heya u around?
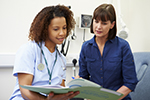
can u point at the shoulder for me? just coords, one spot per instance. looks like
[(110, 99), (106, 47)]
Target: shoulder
[(29, 44), (88, 42), (85, 46), (25, 58), (123, 44), (28, 47), (121, 41), (62, 58), (62, 55)]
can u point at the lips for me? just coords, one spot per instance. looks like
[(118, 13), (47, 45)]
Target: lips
[(99, 32), (60, 39)]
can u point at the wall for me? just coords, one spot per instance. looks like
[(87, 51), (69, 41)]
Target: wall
[(17, 15)]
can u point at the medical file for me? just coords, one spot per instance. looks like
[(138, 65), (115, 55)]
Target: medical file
[(88, 90)]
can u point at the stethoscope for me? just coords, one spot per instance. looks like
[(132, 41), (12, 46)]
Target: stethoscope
[(41, 65), (73, 37)]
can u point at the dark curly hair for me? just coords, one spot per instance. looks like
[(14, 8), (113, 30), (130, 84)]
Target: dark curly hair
[(105, 12), (39, 27)]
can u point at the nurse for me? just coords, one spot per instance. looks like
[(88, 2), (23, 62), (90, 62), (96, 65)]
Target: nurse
[(38, 62)]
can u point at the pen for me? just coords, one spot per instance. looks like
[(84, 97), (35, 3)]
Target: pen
[(73, 78)]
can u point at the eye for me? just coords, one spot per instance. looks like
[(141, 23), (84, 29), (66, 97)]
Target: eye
[(64, 28), (55, 29), (96, 21), (104, 23)]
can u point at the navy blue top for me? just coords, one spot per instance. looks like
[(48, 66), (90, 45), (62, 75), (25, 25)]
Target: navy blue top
[(112, 70)]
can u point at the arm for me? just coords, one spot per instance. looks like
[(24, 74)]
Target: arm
[(83, 72), (124, 90), (128, 72), (26, 79)]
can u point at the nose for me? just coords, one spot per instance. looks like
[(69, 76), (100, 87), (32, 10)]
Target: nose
[(99, 25), (62, 32)]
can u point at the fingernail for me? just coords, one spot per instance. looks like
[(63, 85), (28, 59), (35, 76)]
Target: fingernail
[(51, 94), (78, 92)]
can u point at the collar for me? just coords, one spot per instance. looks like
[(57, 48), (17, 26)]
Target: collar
[(93, 42)]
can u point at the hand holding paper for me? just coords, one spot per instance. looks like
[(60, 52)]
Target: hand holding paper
[(88, 90)]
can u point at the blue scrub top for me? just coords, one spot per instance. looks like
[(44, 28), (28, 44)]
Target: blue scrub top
[(27, 61), (112, 70)]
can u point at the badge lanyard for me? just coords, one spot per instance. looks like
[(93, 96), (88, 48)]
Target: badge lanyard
[(50, 73)]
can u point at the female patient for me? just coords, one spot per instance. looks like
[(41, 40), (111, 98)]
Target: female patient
[(107, 59), (39, 62)]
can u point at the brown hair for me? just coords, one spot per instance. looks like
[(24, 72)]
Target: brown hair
[(39, 27), (105, 12)]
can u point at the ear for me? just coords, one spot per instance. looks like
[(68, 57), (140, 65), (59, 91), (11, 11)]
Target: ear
[(112, 24)]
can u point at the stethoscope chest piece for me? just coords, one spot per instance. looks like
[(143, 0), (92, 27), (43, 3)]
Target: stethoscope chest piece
[(64, 68), (41, 66)]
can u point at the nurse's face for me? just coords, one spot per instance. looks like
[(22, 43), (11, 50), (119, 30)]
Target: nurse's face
[(57, 30), (101, 28)]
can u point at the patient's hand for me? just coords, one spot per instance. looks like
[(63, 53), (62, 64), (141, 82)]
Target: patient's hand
[(77, 77)]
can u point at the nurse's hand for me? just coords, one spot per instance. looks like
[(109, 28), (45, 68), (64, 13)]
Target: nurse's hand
[(65, 96)]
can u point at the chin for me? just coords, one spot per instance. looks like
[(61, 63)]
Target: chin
[(59, 43), (98, 35)]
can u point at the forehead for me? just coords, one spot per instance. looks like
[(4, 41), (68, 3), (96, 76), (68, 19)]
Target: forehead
[(58, 21)]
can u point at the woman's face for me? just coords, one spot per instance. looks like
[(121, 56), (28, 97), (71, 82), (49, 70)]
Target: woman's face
[(57, 30), (101, 28)]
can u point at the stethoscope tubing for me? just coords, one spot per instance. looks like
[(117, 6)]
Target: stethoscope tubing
[(64, 68)]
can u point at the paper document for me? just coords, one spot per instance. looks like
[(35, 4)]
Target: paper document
[(88, 90)]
